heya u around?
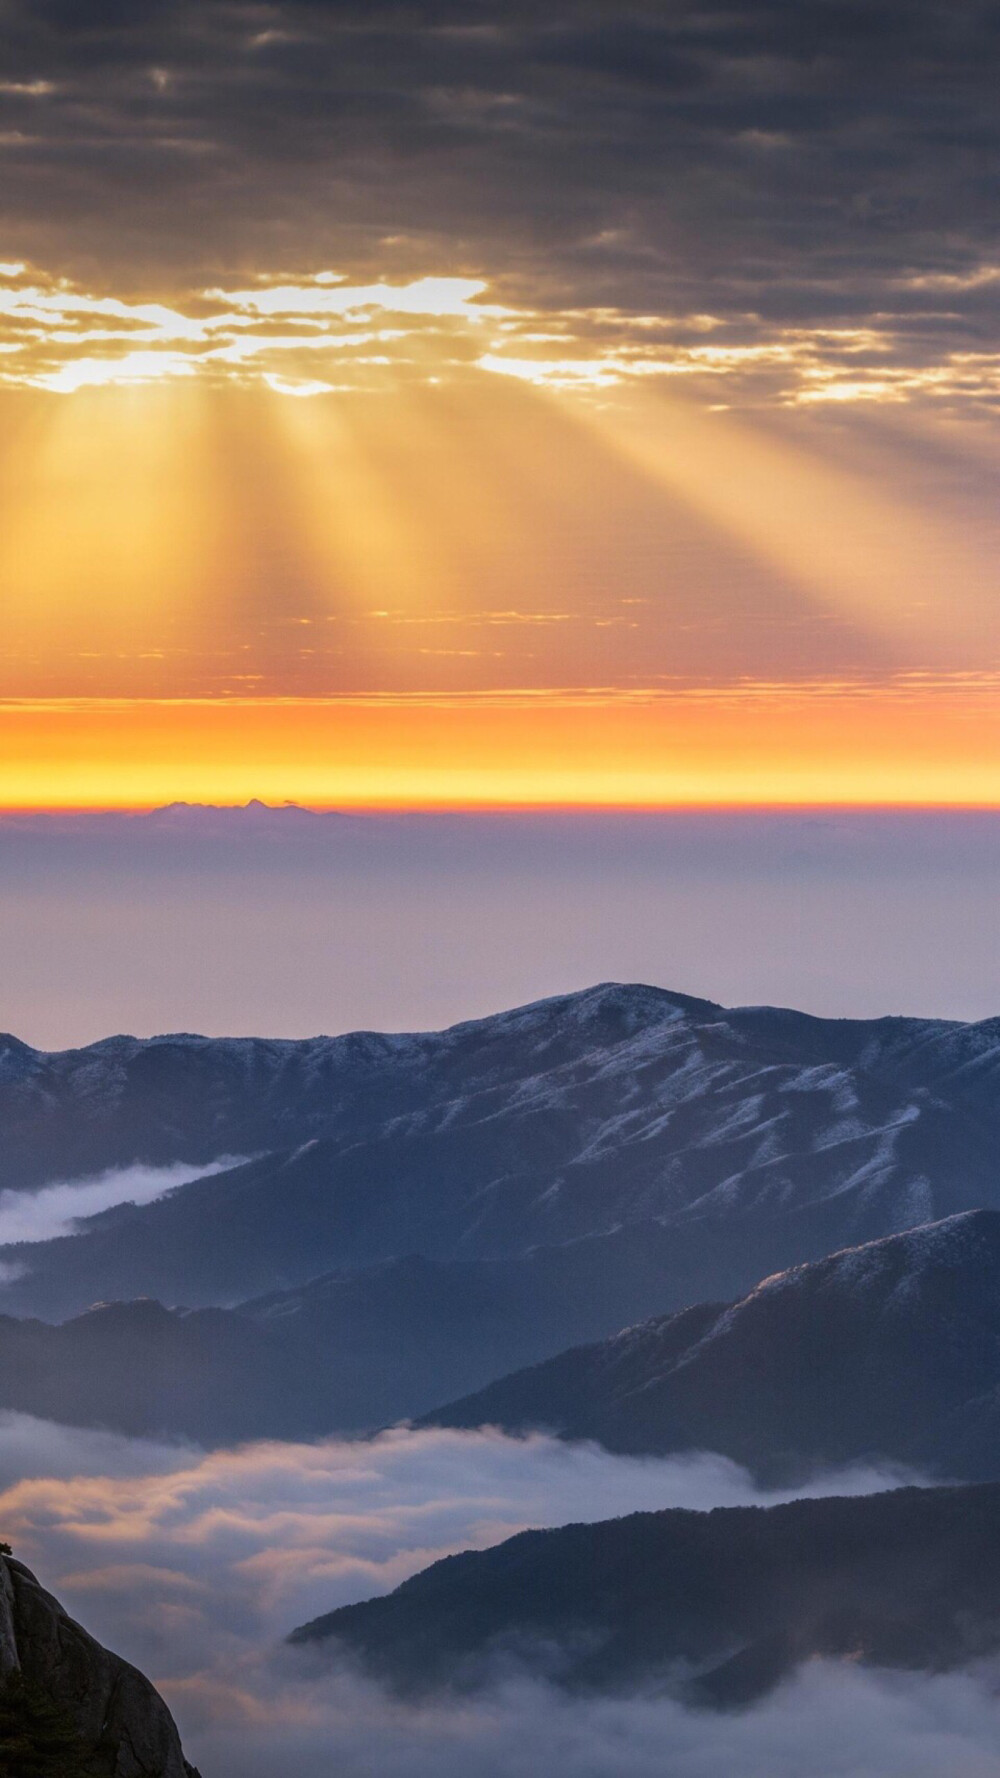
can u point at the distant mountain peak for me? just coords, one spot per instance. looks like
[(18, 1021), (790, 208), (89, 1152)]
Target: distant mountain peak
[(184, 810)]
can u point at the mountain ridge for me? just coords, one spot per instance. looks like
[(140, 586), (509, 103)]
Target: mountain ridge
[(717, 1607), (888, 1352), (745, 1141)]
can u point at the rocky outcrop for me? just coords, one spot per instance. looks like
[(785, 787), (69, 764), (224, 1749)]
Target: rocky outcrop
[(122, 1725)]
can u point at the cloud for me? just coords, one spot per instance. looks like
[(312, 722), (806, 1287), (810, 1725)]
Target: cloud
[(783, 167), (56, 1209), (61, 337), (195, 1565), (37, 1449), (828, 1723), (281, 1532), (320, 333)]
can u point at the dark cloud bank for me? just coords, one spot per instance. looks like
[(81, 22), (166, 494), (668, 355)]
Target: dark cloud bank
[(812, 163)]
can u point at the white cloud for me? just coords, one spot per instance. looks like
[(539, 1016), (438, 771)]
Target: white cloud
[(56, 1209), (828, 1723), (196, 1564), (285, 1531)]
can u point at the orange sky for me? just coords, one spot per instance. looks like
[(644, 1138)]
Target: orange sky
[(445, 584), (913, 745), (589, 405)]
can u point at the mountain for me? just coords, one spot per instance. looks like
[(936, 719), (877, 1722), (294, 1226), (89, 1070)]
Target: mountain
[(68, 1114), (889, 1351), (349, 1351), (71, 1114), (718, 1605), (232, 814), (750, 1139), (69, 1708)]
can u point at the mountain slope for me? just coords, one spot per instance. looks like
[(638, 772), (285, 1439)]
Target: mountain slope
[(106, 1717), (889, 1351), (756, 1138), (719, 1606), (70, 1113), (349, 1351)]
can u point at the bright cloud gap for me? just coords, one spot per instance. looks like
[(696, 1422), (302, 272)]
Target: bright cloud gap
[(321, 334)]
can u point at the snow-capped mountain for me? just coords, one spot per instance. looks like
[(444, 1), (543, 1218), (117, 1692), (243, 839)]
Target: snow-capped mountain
[(889, 1351), (741, 1141)]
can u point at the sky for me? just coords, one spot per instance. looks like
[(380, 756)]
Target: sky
[(481, 404), (284, 923)]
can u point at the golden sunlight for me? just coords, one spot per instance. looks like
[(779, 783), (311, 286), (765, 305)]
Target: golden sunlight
[(914, 744), (616, 592)]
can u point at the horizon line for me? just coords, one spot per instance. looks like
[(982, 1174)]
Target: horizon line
[(459, 806)]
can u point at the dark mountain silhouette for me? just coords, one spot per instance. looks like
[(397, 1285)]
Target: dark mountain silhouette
[(718, 1606), (69, 1708), (887, 1351), (349, 1351), (742, 1142)]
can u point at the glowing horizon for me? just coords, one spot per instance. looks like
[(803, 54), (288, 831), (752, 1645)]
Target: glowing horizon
[(483, 594), (746, 748), (450, 487)]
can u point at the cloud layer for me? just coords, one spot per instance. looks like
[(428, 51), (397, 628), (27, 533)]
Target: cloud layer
[(322, 334), (829, 1723), (196, 1565), (816, 182), (242, 1545)]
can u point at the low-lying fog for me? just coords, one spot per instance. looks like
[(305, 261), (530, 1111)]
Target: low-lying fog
[(195, 1565), (56, 1209)]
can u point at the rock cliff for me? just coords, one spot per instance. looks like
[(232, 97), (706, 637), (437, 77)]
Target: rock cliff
[(69, 1704)]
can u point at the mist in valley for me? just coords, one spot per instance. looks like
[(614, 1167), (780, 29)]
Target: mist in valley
[(195, 1565)]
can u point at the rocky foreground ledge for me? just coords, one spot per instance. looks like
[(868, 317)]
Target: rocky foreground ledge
[(69, 1707)]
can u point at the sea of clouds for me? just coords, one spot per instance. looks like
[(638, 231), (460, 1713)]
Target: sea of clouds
[(829, 1722), (196, 1564)]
